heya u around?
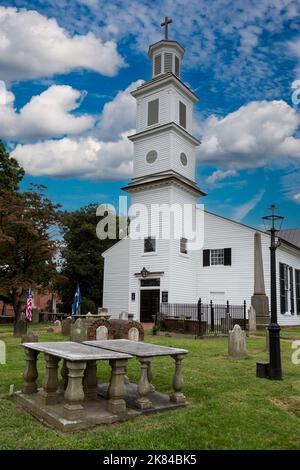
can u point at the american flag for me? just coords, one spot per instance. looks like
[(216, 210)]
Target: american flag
[(28, 311)]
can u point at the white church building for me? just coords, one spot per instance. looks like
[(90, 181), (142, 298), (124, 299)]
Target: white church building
[(234, 261)]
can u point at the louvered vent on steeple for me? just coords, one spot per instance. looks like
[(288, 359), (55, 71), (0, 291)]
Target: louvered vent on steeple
[(168, 62), (157, 64)]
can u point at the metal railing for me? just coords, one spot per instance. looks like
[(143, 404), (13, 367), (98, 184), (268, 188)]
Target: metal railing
[(203, 319)]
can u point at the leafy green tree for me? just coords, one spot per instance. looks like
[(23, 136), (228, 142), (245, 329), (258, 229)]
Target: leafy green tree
[(82, 260), (11, 173), (26, 247)]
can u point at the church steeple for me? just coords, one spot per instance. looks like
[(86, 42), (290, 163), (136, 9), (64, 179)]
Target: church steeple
[(166, 55)]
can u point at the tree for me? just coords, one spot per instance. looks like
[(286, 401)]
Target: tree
[(11, 173), (26, 248), (81, 252)]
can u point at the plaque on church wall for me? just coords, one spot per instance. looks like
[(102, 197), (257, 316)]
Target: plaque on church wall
[(164, 296)]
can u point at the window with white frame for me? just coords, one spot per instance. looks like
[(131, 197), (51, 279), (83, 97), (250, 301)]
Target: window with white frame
[(217, 256), (149, 245)]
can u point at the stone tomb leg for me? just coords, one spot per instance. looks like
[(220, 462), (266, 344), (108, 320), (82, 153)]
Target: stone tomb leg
[(90, 381), (116, 390), (50, 383), (30, 374), (144, 386), (74, 394), (177, 396)]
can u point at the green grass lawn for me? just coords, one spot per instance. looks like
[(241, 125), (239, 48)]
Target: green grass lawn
[(228, 407)]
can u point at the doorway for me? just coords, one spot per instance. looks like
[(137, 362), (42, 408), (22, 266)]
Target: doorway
[(149, 304)]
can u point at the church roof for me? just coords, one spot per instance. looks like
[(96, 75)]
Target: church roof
[(162, 79), (291, 235), (166, 177)]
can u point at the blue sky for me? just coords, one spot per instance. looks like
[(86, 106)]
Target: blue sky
[(69, 66)]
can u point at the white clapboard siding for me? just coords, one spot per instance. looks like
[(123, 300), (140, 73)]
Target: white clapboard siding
[(183, 268), (236, 281), (116, 280), (169, 98), (179, 145), (161, 144)]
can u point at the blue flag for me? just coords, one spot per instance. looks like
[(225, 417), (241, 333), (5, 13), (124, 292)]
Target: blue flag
[(76, 302)]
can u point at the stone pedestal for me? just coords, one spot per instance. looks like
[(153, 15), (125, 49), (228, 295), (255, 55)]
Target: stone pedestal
[(74, 395), (177, 396), (50, 384), (144, 385), (31, 374), (116, 389), (90, 381)]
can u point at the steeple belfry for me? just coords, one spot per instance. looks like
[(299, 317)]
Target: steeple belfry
[(164, 146), (166, 55)]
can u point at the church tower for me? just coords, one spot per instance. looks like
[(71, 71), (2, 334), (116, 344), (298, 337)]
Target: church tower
[(163, 173)]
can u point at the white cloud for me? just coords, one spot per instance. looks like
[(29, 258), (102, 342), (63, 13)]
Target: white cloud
[(119, 114), (219, 175), (243, 210), (33, 46), (296, 198), (45, 115), (255, 135), (83, 157)]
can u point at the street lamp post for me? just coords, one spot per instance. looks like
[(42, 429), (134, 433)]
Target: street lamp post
[(275, 371)]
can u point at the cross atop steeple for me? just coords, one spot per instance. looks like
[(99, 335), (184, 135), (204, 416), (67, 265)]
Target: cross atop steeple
[(166, 24)]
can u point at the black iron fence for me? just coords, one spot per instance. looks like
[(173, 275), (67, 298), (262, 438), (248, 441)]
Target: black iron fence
[(202, 319)]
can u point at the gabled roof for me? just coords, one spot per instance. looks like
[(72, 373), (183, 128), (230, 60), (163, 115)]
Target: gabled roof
[(291, 235)]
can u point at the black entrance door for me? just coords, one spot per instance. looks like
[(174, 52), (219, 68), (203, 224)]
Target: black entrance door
[(149, 304)]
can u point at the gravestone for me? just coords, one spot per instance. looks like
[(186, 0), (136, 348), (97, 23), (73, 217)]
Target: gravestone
[(102, 332), (252, 318), (20, 328), (66, 326), (133, 334), (30, 337), (35, 315), (123, 316), (226, 323), (79, 331), (237, 347), (267, 339)]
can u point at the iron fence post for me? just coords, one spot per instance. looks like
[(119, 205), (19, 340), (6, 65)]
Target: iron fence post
[(245, 321), (200, 333), (212, 317)]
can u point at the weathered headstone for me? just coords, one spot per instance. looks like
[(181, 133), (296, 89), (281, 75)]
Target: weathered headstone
[(66, 326), (79, 331), (102, 332), (267, 339), (35, 315), (133, 334), (30, 337), (227, 323), (20, 328), (252, 318), (123, 316), (237, 347)]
